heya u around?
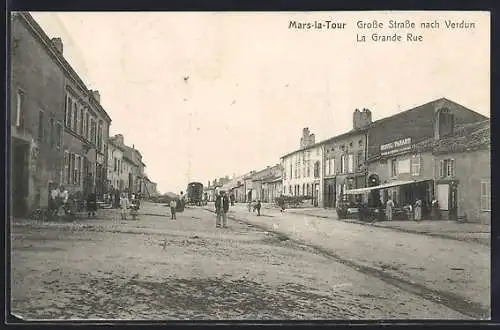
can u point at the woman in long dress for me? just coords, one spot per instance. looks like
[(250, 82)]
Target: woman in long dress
[(388, 209), (124, 205), (418, 210)]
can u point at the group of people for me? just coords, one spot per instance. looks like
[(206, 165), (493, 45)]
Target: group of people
[(414, 211), (128, 203), (254, 206), (61, 204)]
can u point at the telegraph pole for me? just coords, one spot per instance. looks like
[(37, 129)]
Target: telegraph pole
[(186, 100)]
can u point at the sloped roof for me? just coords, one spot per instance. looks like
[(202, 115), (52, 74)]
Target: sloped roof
[(466, 137), (422, 107)]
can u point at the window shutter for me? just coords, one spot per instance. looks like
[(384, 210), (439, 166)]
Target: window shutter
[(441, 168), (66, 166), (452, 166)]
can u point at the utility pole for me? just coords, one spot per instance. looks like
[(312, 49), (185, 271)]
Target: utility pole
[(186, 100)]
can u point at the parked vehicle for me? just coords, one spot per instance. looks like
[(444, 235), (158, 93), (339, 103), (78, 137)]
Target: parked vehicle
[(195, 193)]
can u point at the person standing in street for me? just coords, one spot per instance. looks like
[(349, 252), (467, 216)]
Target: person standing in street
[(418, 210), (388, 209), (173, 208), (54, 200), (221, 208), (91, 205), (124, 205), (257, 207)]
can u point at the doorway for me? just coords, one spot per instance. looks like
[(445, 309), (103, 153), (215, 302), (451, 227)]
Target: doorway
[(330, 193), (20, 177)]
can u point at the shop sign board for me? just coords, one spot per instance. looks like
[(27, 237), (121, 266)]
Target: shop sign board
[(396, 147)]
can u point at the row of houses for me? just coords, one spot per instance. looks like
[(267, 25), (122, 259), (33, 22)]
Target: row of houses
[(59, 129), (126, 168), (437, 150)]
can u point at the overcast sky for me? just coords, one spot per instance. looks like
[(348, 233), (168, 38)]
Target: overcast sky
[(254, 83)]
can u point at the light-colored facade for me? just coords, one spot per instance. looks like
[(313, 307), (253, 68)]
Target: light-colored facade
[(302, 171), (115, 162)]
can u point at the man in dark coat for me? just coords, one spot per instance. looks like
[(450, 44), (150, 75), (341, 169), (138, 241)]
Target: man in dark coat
[(221, 208)]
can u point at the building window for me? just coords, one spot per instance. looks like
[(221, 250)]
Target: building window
[(68, 111), (394, 167), (485, 195), (59, 135), (447, 168), (92, 131), (342, 164), (74, 123), (360, 159), (404, 166), (327, 167), (87, 124), (115, 167), (99, 137), (74, 169), (316, 169), (20, 109), (79, 170), (415, 165), (350, 163), (40, 126), (66, 166), (82, 117), (52, 133)]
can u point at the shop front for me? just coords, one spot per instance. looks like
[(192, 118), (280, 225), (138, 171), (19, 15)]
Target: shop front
[(402, 193)]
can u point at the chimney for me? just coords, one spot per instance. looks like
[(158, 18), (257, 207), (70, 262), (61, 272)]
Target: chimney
[(96, 96), (361, 119), (58, 44), (119, 139)]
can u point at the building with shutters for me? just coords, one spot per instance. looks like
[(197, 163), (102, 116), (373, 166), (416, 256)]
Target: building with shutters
[(302, 173), (37, 114), (344, 159), (59, 128), (413, 155)]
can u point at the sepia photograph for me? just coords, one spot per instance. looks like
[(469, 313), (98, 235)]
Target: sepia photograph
[(321, 165)]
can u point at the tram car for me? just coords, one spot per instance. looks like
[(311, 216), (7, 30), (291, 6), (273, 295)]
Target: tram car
[(195, 193)]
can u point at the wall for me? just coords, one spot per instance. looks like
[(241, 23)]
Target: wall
[(470, 169), (36, 73)]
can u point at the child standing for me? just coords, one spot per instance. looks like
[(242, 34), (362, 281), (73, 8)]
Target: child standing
[(124, 205), (173, 207)]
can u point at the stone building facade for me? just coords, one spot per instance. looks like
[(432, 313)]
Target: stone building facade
[(405, 157), (301, 171), (345, 159), (37, 114)]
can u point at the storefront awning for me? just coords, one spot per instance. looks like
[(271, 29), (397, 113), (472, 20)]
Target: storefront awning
[(382, 186)]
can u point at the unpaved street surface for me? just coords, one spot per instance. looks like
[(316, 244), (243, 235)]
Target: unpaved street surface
[(451, 272), (159, 269)]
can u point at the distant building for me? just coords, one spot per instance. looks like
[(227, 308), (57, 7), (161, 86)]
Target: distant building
[(302, 174), (129, 174), (260, 182)]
